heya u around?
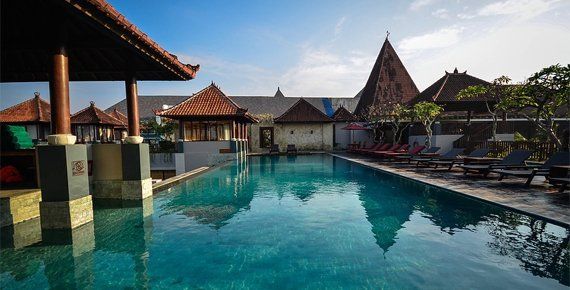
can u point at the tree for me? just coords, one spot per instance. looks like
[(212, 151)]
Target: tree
[(166, 128), (400, 115), (374, 115), (539, 98), (426, 113), (493, 94)]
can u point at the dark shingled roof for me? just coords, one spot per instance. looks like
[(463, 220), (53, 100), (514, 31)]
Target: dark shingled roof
[(34, 110), (275, 105), (343, 115), (94, 116), (447, 87), (148, 104), (303, 112), (388, 81)]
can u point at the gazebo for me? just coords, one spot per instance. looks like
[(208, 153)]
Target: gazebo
[(92, 125), (61, 41), (120, 132), (34, 114), (210, 125)]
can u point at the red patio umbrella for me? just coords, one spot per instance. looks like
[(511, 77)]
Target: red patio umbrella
[(354, 127)]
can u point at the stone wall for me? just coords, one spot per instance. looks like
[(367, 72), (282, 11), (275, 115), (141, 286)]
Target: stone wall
[(305, 136)]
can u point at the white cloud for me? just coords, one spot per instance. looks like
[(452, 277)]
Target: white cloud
[(516, 50), (418, 4), (321, 72), (338, 26), (437, 39), (522, 9), (441, 13)]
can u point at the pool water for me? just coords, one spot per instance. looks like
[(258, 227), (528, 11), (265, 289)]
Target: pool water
[(293, 222)]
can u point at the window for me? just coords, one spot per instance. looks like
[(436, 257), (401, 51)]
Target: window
[(206, 131), (265, 137)]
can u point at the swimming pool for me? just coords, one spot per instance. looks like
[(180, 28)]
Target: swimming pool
[(297, 222)]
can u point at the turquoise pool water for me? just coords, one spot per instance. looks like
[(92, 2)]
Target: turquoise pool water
[(293, 222)]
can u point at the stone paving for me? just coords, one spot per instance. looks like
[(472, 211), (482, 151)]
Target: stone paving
[(540, 199)]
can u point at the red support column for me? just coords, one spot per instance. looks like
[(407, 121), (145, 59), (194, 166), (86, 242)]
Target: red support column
[(132, 110), (59, 99)]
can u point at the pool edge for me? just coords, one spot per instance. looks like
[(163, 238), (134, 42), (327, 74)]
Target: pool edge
[(537, 215)]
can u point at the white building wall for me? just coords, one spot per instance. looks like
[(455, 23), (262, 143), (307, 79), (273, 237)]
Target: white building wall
[(205, 153)]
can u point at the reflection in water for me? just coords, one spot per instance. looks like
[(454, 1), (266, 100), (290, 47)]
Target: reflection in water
[(21, 234), (310, 221), (541, 250), (209, 201), (125, 227)]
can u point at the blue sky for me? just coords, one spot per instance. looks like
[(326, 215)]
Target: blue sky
[(327, 48)]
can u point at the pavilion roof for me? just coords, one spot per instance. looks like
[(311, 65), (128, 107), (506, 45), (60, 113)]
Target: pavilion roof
[(448, 86), (119, 116), (102, 44), (94, 116), (208, 104), (303, 112), (389, 81), (34, 110), (343, 115)]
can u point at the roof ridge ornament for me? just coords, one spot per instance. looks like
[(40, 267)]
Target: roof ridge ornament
[(387, 34), (36, 94)]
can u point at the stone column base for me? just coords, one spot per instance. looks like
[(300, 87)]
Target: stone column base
[(133, 139), (137, 189), (111, 189), (66, 214), (61, 139)]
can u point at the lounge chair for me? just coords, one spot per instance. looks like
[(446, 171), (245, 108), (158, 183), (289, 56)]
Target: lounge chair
[(399, 148), (529, 172), (274, 149), (411, 152), (408, 158), (291, 149), (390, 149), (515, 159), (481, 152), (364, 150), (449, 155), (380, 147)]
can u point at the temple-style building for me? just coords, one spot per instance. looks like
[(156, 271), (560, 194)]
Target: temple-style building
[(211, 127), (93, 125), (389, 82)]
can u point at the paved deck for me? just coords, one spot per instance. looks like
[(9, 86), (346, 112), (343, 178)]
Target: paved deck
[(539, 199)]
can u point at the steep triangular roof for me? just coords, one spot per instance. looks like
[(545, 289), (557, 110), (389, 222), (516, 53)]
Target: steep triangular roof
[(94, 116), (303, 112), (34, 110), (343, 115), (389, 81), (447, 87), (209, 102)]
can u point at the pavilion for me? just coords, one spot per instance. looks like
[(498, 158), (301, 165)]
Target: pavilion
[(34, 114), (61, 41), (211, 127), (92, 125)]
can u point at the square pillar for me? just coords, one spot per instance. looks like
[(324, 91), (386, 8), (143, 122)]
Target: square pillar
[(137, 183), (107, 171), (63, 172)]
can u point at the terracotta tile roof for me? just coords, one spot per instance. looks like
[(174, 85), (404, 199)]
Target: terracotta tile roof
[(303, 112), (130, 33), (94, 116), (388, 81), (121, 117), (210, 102), (447, 87), (34, 110), (343, 115)]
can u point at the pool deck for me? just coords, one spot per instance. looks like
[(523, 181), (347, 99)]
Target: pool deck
[(539, 199)]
